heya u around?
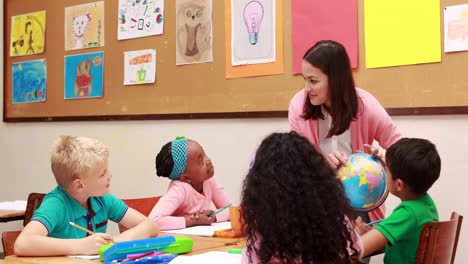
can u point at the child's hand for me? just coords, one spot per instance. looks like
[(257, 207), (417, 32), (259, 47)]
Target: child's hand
[(375, 149), (91, 244), (360, 227), (201, 217)]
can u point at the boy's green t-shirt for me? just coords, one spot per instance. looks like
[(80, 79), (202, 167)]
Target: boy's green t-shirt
[(403, 227), (58, 209)]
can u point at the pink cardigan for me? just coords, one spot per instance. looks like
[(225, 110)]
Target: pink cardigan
[(182, 199), (372, 122)]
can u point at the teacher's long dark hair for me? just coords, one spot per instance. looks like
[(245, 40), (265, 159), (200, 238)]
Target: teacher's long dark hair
[(294, 205), (331, 58)]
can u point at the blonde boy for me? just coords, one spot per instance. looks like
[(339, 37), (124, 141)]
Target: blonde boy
[(80, 166)]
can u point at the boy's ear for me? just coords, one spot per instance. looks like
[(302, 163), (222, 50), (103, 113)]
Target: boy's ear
[(400, 185), (76, 185), (185, 178)]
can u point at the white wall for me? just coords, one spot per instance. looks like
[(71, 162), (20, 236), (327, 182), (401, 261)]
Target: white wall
[(24, 155)]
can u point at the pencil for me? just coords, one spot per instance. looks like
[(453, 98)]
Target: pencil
[(220, 210), (88, 231), (375, 222)]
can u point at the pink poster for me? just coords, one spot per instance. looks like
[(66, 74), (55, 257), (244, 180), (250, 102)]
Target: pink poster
[(314, 20)]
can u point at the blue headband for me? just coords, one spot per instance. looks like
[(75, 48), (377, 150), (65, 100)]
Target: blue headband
[(179, 155)]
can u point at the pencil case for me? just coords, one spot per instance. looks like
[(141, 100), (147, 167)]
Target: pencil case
[(168, 244)]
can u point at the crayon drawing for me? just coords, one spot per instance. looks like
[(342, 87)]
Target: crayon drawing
[(84, 26), (29, 81), (193, 31), (140, 18), (27, 34), (140, 66), (84, 75), (456, 28), (253, 31)]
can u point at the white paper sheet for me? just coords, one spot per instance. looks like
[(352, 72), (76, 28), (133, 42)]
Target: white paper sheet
[(456, 28), (89, 257), (13, 206), (201, 230), (214, 257)]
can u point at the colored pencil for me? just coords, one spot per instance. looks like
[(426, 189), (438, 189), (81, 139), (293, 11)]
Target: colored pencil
[(375, 222), (89, 231), (220, 210)]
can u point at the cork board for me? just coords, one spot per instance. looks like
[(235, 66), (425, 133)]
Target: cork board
[(202, 90)]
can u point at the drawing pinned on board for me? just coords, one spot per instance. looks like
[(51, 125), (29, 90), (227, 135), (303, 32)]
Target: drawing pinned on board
[(456, 28), (84, 26), (253, 31), (27, 34), (84, 75), (140, 66), (194, 31), (140, 18), (29, 81)]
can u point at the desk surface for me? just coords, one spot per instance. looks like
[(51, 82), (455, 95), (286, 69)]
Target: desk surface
[(200, 245), (6, 216)]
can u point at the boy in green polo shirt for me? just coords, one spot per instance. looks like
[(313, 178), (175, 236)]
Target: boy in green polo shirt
[(412, 166), (80, 166)]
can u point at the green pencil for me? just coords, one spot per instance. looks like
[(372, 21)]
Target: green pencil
[(220, 210)]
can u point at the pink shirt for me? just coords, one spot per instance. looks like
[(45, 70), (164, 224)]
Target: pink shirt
[(357, 243), (372, 122), (182, 199)]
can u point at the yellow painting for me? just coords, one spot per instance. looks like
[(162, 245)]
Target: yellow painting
[(84, 26), (27, 34)]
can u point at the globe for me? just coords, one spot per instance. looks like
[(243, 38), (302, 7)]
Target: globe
[(363, 178)]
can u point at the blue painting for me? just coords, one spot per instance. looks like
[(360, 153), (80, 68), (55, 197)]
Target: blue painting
[(29, 81), (84, 75)]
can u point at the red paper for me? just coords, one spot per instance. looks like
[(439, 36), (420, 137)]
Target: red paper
[(315, 20)]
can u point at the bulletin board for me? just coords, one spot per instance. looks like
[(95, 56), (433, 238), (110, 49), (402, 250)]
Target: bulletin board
[(202, 90)]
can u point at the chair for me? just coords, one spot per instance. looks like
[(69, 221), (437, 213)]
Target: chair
[(438, 241), (9, 237), (142, 205)]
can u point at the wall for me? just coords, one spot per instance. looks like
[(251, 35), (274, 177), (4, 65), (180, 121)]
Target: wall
[(24, 156)]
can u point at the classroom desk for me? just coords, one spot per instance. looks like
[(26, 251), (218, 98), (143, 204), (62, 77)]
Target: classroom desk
[(200, 245), (6, 216)]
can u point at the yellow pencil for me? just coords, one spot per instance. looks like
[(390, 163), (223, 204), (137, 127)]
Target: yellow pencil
[(89, 231)]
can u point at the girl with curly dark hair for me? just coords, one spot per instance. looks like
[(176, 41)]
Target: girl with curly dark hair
[(294, 208)]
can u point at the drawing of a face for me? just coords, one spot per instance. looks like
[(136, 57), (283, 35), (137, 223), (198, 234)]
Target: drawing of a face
[(193, 14), (80, 22)]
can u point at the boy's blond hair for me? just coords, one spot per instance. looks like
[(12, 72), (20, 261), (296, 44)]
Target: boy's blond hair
[(73, 156)]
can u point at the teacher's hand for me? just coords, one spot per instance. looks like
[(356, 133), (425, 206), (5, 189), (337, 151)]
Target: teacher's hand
[(336, 159)]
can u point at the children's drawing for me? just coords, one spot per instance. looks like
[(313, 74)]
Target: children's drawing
[(140, 66), (27, 34), (84, 75), (140, 18), (194, 31), (29, 81), (84, 26), (253, 31), (456, 28)]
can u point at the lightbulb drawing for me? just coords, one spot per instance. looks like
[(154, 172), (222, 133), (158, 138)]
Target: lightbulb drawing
[(253, 15)]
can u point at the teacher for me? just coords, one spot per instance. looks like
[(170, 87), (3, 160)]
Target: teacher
[(334, 115)]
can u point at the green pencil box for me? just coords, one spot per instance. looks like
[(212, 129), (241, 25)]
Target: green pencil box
[(181, 245)]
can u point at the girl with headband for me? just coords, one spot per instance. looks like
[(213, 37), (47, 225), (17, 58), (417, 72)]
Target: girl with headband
[(193, 187)]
